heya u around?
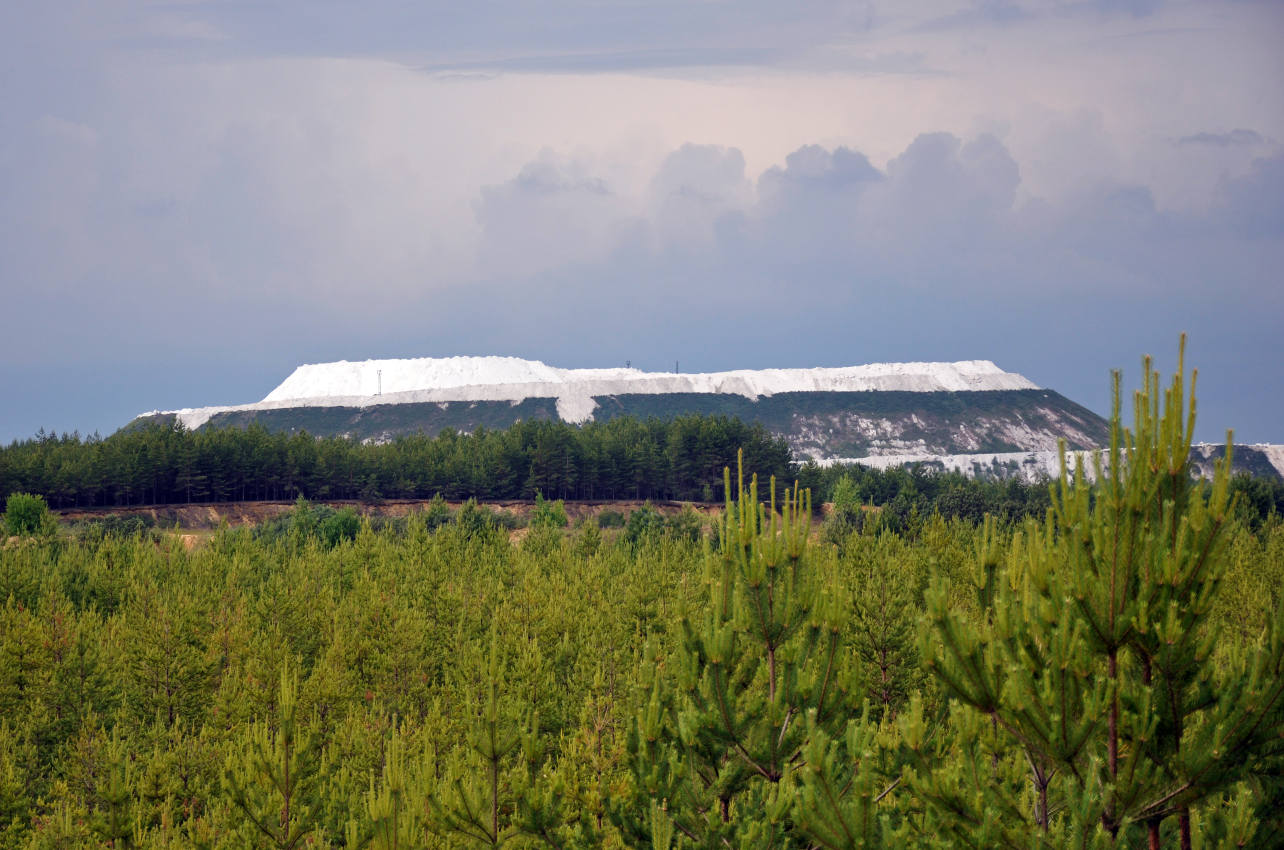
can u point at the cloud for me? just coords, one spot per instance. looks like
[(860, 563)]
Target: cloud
[(942, 182), (1234, 138), (988, 13), (615, 61), (694, 190), (1005, 13), (945, 214), (557, 212), (696, 60), (565, 36), (1253, 205)]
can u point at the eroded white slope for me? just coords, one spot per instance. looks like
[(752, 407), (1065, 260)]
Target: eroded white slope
[(446, 379), (1029, 466), (1037, 465), (1274, 453)]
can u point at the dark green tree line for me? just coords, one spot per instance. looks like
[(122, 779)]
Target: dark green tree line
[(624, 458)]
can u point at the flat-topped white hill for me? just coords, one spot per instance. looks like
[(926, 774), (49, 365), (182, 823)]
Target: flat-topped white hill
[(426, 374), (447, 379)]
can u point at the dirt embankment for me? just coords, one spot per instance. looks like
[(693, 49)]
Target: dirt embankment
[(213, 514)]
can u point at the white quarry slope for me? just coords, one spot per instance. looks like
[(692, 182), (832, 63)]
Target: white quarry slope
[(1028, 466), (448, 379), (1274, 453), (1035, 466)]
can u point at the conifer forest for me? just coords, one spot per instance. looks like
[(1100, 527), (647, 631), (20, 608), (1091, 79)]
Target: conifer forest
[(1101, 668)]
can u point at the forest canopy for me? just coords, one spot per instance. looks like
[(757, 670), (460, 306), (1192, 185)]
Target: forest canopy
[(624, 458)]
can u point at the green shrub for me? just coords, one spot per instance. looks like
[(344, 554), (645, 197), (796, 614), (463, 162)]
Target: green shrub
[(27, 515), (847, 517), (841, 525), (588, 538), (114, 525), (610, 519), (686, 525), (508, 520), (311, 522), (645, 524), (548, 514), (343, 525), (474, 520), (438, 513), (394, 525)]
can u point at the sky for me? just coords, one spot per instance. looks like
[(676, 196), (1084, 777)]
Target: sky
[(196, 197)]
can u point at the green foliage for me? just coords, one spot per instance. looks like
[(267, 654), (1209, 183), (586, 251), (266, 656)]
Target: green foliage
[(687, 525), (16, 757), (112, 525), (469, 799), (1257, 499), (272, 778), (492, 794), (393, 812), (340, 527), (885, 584), (610, 518), (1095, 661), (163, 463), (477, 522), (547, 514), (27, 515), (437, 514), (845, 495), (923, 490), (583, 688), (846, 516), (114, 820), (645, 524), (588, 538), (309, 522), (756, 695)]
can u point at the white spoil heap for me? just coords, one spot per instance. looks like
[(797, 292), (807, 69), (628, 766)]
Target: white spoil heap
[(447, 379)]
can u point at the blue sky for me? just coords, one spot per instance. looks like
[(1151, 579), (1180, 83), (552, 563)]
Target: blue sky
[(199, 196)]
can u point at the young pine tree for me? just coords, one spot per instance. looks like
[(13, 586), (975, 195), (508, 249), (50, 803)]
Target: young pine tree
[(273, 777), (496, 794), (394, 807), (1095, 667), (757, 691)]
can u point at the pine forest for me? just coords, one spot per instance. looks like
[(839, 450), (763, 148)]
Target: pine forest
[(1100, 666)]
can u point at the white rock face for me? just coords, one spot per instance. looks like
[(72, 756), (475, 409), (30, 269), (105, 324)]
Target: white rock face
[(447, 379), (1274, 453), (1028, 466), (1039, 465)]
